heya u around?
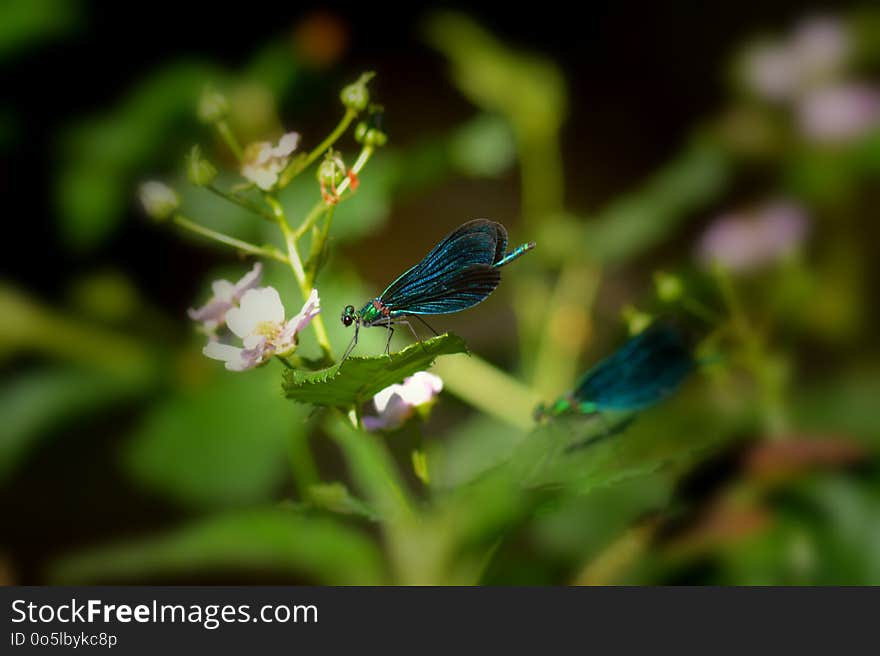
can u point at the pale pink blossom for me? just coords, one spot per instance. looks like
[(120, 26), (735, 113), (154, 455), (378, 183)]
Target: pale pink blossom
[(839, 113), (815, 52), (397, 403), (263, 162), (226, 295), (260, 325), (746, 241)]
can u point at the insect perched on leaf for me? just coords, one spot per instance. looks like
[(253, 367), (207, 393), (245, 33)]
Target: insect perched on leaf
[(460, 271), (646, 369)]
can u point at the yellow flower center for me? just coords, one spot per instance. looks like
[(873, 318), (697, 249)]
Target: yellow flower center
[(268, 329)]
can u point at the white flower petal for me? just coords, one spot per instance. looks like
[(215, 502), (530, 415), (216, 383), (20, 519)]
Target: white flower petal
[(309, 311), (257, 306), (382, 398), (264, 178), (286, 144), (223, 290), (233, 357), (248, 281)]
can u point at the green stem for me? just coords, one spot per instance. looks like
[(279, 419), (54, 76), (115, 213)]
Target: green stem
[(295, 262), (241, 202), (756, 359), (295, 166), (228, 136), (319, 208), (319, 239), (244, 246), (700, 310)]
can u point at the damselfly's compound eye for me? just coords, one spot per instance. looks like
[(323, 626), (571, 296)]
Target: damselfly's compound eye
[(347, 317)]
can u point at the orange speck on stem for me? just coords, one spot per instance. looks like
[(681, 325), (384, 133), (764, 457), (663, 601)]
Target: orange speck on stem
[(353, 180)]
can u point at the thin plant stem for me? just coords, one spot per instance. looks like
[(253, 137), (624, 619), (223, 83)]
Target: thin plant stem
[(295, 262), (230, 139), (756, 357), (238, 244), (295, 166), (241, 202)]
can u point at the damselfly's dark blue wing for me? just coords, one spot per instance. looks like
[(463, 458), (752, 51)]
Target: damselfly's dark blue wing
[(455, 275), (646, 369)]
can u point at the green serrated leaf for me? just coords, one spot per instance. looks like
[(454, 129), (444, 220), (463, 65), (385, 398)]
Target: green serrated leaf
[(356, 380)]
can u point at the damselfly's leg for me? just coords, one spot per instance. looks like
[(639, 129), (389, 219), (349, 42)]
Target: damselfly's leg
[(354, 341), (403, 322), (436, 334), (388, 341)]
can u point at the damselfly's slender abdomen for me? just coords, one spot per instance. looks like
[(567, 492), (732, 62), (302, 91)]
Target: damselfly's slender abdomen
[(519, 251)]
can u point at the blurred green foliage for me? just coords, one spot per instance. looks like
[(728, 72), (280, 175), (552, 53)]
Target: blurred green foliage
[(267, 486)]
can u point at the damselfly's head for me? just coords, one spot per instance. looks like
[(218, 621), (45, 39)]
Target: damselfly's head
[(558, 408), (348, 316)]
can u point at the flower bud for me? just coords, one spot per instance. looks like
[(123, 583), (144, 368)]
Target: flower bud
[(355, 96), (213, 106), (159, 200), (636, 320), (369, 132), (199, 170), (669, 287), (331, 171)]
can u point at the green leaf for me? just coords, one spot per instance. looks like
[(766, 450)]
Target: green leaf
[(279, 540), (336, 498), (102, 157), (24, 25), (217, 444), (356, 380), (668, 436), (35, 403), (373, 471)]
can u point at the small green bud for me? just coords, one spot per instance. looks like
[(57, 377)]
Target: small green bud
[(355, 96), (636, 320), (331, 171), (199, 170), (159, 200), (213, 106), (369, 131), (669, 287)]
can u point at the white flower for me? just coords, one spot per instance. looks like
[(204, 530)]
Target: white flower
[(743, 242), (396, 403), (212, 314), (839, 113), (263, 162), (259, 322)]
